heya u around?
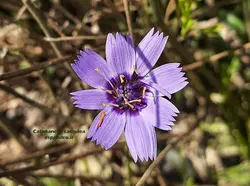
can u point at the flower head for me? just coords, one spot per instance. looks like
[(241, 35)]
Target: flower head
[(129, 93)]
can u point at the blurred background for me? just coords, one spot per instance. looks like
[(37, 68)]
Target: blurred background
[(208, 146)]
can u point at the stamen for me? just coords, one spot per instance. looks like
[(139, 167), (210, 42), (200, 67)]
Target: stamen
[(143, 92), (102, 74), (135, 101), (110, 104), (135, 70), (127, 102), (101, 120), (122, 78), (108, 91)]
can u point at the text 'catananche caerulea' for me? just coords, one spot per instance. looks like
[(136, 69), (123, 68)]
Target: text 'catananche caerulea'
[(129, 93)]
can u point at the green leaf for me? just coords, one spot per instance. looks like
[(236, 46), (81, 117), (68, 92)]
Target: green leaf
[(187, 22), (50, 182), (235, 22), (237, 175)]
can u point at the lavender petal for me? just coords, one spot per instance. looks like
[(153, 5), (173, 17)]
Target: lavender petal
[(86, 67), (158, 90), (120, 54), (92, 99), (168, 76), (108, 133), (149, 51), (140, 137), (164, 115)]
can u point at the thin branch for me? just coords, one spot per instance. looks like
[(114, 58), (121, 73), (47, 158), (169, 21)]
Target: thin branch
[(68, 14), (37, 154), (20, 179), (128, 18), (40, 20), (169, 10), (161, 156), (56, 162), (214, 58), (34, 12), (45, 109), (11, 133), (71, 17), (37, 67), (160, 178), (20, 12), (212, 10), (73, 38), (68, 176), (186, 55), (87, 37), (48, 86)]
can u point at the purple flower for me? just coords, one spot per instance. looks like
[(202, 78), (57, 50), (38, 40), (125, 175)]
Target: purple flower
[(129, 93)]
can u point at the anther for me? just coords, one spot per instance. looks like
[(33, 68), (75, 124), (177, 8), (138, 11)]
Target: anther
[(122, 78), (135, 101), (97, 70), (108, 91), (101, 120), (143, 92), (110, 104)]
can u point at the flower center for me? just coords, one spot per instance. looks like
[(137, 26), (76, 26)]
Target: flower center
[(127, 94)]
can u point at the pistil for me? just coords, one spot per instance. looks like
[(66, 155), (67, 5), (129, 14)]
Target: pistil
[(127, 102)]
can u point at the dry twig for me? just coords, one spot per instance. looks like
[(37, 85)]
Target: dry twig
[(126, 8), (45, 109), (214, 58), (37, 67), (162, 154), (38, 17), (56, 162), (73, 38), (37, 154)]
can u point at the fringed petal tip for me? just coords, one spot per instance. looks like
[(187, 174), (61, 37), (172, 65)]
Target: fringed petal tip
[(85, 67), (91, 99), (85, 51), (120, 53), (149, 50), (165, 113), (98, 143), (136, 158), (169, 78), (140, 138), (73, 93)]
